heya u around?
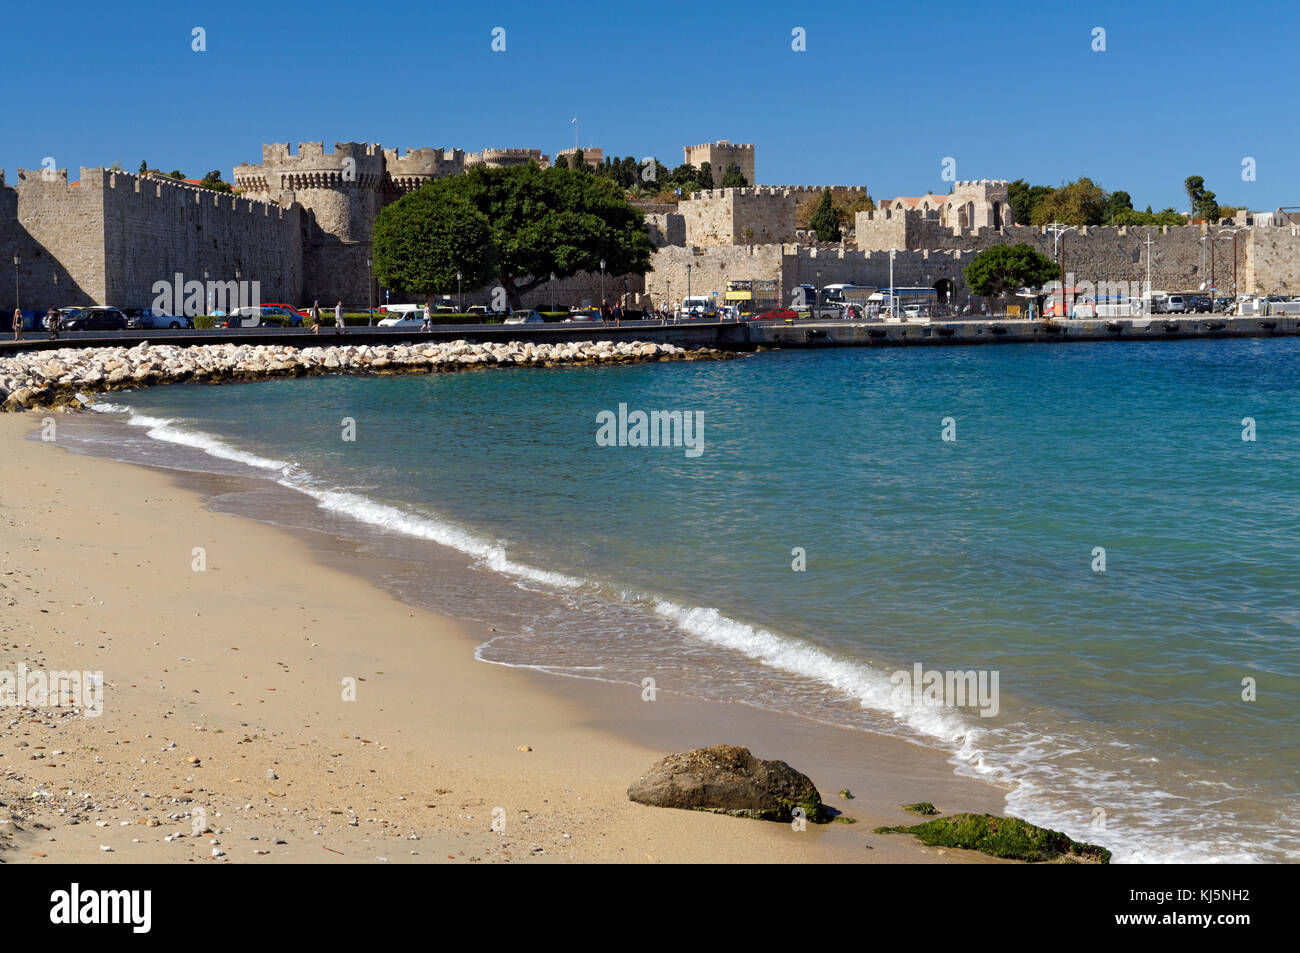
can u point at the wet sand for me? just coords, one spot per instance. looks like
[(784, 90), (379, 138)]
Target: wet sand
[(225, 694)]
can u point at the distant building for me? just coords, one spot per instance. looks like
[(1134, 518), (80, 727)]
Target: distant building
[(505, 158), (591, 155), (721, 154)]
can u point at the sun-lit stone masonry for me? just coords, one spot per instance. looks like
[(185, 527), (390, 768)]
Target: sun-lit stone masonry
[(110, 236), (790, 265), (505, 158), (721, 154), (752, 215)]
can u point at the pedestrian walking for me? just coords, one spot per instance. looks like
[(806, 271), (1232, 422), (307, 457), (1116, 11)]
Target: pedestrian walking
[(18, 325), (338, 318), (428, 318), (52, 322), (618, 315), (315, 317)]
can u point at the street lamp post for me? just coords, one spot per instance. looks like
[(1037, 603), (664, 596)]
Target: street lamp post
[(209, 292), (817, 296), (602, 285), (370, 294), (893, 300), (668, 299), (1147, 301), (1059, 230), (688, 280), (552, 292), (16, 295), (460, 299)]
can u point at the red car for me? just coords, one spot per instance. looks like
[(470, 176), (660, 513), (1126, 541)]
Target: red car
[(777, 314), (288, 307)]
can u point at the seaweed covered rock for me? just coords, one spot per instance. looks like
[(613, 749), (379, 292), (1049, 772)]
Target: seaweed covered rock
[(727, 779), (1002, 837)]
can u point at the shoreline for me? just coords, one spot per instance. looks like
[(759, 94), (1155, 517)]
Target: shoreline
[(456, 724)]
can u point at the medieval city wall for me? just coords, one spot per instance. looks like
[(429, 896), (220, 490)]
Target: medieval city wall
[(154, 228), (60, 230), (755, 215), (1271, 260)]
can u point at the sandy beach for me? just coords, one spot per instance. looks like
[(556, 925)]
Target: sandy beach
[(224, 692)]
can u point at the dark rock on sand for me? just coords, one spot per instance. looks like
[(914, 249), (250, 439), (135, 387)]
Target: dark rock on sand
[(727, 779)]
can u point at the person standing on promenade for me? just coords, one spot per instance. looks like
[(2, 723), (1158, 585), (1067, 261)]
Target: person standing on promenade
[(618, 315), (52, 322), (338, 318), (428, 318), (18, 325), (315, 317)]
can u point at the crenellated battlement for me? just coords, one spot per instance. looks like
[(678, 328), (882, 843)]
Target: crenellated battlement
[(773, 191), (724, 143)]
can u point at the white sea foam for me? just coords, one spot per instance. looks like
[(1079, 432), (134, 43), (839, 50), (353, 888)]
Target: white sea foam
[(385, 516), (872, 688)]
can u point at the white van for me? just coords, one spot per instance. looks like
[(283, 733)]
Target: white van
[(704, 305)]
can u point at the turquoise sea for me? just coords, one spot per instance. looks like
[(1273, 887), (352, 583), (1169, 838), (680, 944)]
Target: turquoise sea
[(828, 536)]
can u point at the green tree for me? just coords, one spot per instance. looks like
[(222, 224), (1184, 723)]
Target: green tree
[(733, 178), (144, 167), (517, 225), (1195, 188), (1119, 202), (1081, 202), (826, 219), (999, 271), (704, 178), (1207, 208), (176, 174), (423, 239), (1024, 198), (561, 162), (213, 182)]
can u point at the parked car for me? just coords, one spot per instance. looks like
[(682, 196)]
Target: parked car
[(94, 319), (250, 318), (1175, 304), (301, 312), (144, 319), (525, 317), (479, 309), (265, 316), (582, 316), (407, 319), (1201, 304), (777, 314)]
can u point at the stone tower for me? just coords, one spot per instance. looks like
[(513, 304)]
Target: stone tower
[(979, 204), (721, 154), (342, 192)]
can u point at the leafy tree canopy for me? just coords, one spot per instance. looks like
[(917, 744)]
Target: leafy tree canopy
[(999, 271), (516, 226), (1081, 202), (733, 178), (1024, 198), (826, 219)]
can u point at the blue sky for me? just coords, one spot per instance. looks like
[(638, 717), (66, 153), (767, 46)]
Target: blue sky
[(883, 93)]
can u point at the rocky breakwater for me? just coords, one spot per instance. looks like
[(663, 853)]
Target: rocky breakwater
[(53, 379)]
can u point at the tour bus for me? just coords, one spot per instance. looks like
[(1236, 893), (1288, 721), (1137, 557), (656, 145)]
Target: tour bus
[(906, 304), (834, 294)]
